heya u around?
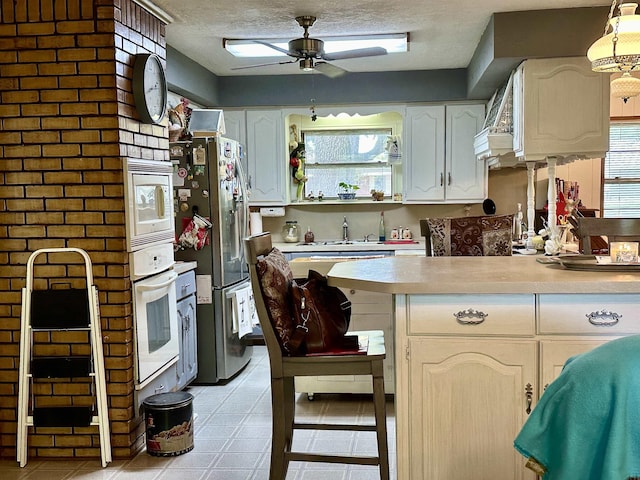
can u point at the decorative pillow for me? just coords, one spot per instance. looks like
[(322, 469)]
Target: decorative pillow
[(471, 236), (466, 237), (275, 276), (496, 235)]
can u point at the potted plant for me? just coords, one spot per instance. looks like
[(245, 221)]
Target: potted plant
[(348, 191)]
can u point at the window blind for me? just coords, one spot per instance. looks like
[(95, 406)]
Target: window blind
[(621, 195)]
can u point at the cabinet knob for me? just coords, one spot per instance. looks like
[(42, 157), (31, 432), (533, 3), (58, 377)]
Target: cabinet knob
[(603, 318), (470, 316), (441, 179), (449, 178)]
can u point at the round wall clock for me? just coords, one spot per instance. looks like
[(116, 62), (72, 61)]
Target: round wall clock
[(149, 88)]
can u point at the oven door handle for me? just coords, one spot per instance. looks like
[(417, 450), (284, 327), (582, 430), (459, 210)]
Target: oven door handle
[(160, 207), (146, 288)]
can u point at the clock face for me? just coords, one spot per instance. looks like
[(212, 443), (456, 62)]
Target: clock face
[(149, 88)]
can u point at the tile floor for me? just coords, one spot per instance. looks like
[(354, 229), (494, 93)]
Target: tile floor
[(232, 439)]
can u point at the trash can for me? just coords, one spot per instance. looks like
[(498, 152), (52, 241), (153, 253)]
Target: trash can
[(169, 423)]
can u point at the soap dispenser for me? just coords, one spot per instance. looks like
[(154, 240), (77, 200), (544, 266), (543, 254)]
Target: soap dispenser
[(309, 237)]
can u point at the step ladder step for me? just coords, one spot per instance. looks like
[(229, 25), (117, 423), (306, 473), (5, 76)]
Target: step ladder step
[(62, 416), (61, 367), (60, 309)]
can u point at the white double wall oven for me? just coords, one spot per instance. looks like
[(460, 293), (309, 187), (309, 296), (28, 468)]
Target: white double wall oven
[(150, 238)]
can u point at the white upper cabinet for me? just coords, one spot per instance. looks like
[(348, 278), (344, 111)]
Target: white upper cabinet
[(266, 158), (560, 109), (236, 125), (440, 164)]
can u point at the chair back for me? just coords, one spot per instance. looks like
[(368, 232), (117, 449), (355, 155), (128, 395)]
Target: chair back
[(488, 235), (257, 246), (615, 229)]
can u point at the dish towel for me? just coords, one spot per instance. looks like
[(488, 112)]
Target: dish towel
[(587, 423), (242, 311)]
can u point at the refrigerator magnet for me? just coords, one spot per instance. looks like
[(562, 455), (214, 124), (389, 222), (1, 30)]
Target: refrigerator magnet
[(199, 155), (184, 194), (205, 193), (195, 185)]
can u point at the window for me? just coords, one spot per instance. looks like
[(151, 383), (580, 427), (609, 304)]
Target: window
[(356, 156), (621, 196)]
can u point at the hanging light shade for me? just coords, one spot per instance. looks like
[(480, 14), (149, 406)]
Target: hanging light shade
[(625, 86), (618, 50)]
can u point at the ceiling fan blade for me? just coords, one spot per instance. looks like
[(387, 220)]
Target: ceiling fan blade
[(329, 70), (361, 52), (275, 47), (264, 64)]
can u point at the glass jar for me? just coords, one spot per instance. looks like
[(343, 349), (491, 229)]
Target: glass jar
[(290, 232)]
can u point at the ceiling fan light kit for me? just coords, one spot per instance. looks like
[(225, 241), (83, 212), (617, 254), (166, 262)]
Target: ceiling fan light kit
[(618, 50), (258, 48), (312, 53)]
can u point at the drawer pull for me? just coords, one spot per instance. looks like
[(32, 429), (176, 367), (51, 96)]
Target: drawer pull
[(603, 318), (529, 394), (470, 316)]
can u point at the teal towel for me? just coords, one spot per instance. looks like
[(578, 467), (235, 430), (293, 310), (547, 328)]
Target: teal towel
[(586, 425)]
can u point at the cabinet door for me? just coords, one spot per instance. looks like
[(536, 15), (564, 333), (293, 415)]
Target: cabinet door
[(466, 177), (187, 366), (236, 129), (554, 354), (267, 163), (467, 401), (423, 169), (561, 108)]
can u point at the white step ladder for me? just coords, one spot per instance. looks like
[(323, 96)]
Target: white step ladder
[(61, 310)]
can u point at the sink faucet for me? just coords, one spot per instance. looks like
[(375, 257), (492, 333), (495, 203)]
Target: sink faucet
[(345, 229)]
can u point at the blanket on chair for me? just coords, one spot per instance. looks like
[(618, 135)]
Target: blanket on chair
[(587, 423)]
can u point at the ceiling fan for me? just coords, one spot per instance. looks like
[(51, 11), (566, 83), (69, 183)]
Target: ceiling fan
[(309, 52)]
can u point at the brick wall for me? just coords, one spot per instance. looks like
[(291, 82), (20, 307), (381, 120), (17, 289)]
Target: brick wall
[(67, 120)]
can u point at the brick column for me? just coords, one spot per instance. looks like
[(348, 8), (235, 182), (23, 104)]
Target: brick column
[(67, 121)]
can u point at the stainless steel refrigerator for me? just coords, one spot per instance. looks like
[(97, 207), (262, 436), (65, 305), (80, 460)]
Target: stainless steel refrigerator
[(210, 195)]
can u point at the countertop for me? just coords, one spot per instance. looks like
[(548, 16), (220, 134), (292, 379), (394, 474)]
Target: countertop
[(354, 247), (181, 267), (515, 274)]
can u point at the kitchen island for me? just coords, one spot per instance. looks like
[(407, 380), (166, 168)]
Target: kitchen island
[(477, 339)]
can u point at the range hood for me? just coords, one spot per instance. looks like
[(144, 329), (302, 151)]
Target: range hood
[(553, 107)]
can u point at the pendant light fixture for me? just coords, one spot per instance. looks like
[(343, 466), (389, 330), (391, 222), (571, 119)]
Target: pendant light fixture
[(618, 50)]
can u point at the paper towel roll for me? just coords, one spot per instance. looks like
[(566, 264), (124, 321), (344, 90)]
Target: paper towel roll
[(255, 223)]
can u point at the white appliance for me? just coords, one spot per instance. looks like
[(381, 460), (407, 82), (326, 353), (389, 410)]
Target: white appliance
[(155, 316), (210, 182), (149, 206)]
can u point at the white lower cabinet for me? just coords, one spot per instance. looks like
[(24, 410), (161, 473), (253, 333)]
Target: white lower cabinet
[(468, 400), (471, 367)]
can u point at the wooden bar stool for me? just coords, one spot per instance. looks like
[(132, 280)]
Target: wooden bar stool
[(270, 293)]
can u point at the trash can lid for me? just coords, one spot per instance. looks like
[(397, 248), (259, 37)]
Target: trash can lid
[(168, 400)]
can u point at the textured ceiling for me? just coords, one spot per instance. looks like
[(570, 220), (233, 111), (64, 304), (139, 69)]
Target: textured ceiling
[(443, 34)]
